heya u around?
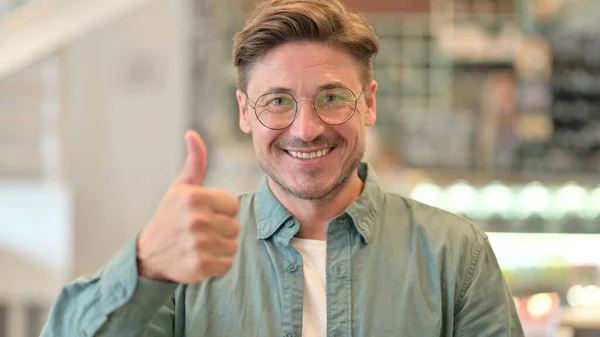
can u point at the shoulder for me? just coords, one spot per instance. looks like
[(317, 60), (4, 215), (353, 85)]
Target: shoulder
[(455, 242), (439, 227)]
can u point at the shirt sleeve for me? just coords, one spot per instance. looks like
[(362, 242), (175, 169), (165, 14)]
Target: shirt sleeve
[(116, 301), (485, 306)]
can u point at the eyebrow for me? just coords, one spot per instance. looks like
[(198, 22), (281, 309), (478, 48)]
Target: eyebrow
[(330, 85)]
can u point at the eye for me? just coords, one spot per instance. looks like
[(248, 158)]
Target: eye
[(279, 100), (332, 98), (275, 103)]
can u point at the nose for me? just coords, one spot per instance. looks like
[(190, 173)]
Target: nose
[(307, 125)]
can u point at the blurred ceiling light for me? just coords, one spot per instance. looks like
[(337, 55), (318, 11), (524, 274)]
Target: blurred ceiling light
[(496, 198), (591, 295), (574, 296), (540, 305), (461, 197), (534, 198), (569, 198), (583, 296), (427, 192), (592, 206)]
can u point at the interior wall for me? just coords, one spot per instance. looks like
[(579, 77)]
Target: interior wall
[(124, 100)]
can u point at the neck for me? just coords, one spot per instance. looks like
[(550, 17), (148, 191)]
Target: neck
[(314, 215)]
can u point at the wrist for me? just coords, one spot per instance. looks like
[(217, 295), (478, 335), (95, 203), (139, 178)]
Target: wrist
[(143, 257)]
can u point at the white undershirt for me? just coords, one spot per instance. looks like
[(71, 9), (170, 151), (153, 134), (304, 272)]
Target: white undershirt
[(314, 309)]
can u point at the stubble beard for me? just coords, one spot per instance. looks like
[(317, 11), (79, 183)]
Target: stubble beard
[(324, 195)]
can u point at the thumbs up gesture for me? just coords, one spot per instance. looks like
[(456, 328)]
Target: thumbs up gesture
[(193, 234)]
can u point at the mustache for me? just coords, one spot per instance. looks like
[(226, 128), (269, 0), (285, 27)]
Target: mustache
[(320, 141)]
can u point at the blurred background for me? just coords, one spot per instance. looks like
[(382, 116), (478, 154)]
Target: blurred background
[(486, 108)]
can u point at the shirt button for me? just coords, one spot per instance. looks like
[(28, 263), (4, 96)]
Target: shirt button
[(338, 270), (291, 267), (289, 334), (290, 224)]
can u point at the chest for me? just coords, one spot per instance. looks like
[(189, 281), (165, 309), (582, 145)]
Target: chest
[(378, 290)]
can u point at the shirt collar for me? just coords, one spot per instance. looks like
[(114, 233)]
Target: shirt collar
[(363, 211), (271, 214)]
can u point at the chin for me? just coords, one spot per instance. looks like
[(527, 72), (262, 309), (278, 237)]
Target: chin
[(311, 189), (309, 194), (310, 183)]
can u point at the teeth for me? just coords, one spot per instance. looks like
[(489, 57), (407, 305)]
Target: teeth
[(309, 155)]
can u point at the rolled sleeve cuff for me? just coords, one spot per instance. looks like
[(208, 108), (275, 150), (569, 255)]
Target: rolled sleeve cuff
[(125, 293)]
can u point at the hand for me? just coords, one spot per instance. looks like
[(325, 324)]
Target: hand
[(193, 234)]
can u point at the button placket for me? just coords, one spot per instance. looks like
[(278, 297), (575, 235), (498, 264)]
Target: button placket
[(290, 263), (339, 308)]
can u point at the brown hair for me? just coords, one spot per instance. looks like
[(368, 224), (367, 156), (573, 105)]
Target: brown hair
[(277, 22)]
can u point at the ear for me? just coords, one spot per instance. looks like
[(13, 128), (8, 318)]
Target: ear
[(370, 99), (243, 107)]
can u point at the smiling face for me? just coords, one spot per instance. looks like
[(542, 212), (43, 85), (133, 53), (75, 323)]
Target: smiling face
[(309, 159)]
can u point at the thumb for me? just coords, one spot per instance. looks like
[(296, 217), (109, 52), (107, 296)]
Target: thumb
[(196, 162)]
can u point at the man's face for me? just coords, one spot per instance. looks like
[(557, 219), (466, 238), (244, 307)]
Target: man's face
[(303, 69)]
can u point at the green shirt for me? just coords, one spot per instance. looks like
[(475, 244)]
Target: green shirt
[(395, 267)]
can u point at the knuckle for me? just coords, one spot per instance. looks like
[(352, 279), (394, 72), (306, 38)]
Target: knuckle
[(193, 197), (200, 243), (232, 202), (196, 221), (212, 193), (190, 222), (203, 264)]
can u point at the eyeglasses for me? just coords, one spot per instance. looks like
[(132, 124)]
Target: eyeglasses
[(278, 110)]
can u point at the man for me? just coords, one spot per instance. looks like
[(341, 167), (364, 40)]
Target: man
[(319, 249)]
